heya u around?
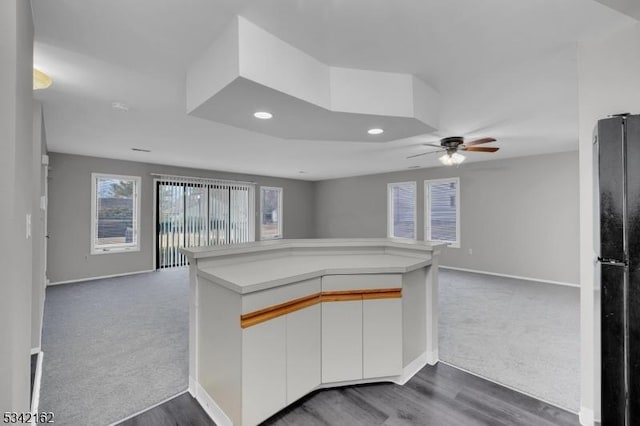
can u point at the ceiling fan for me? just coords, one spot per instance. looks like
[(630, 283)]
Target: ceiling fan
[(453, 144)]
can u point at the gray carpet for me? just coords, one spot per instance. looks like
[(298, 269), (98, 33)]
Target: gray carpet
[(114, 346), (525, 335)]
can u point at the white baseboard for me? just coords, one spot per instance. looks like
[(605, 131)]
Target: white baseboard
[(44, 296), (433, 357), (192, 387), (586, 417), (35, 397), (209, 405), (221, 419), (99, 278), (391, 379), (408, 372), (412, 369), (495, 274)]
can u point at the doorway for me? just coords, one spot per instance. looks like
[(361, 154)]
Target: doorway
[(194, 214)]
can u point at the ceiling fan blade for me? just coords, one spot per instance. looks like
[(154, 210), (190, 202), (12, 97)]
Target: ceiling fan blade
[(424, 153), (481, 148), (417, 155), (432, 144), (479, 141)]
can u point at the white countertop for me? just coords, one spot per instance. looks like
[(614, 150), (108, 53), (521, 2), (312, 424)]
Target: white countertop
[(247, 277), (261, 246), (267, 264)]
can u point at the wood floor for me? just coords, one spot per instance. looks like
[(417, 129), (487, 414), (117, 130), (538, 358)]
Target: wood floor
[(181, 410), (437, 396)]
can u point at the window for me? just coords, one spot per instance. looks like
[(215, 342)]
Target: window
[(401, 216), (115, 218), (442, 211), (270, 213)]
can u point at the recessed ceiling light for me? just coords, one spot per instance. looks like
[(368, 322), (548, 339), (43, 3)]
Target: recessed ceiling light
[(120, 106), (40, 80), (263, 115), (140, 150), (375, 131)]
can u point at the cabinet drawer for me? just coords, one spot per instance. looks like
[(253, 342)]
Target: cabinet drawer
[(360, 282), (275, 296)]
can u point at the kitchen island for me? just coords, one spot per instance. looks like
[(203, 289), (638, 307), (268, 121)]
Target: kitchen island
[(271, 321)]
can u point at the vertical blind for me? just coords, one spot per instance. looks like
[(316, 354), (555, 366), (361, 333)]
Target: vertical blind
[(443, 211), (403, 209), (193, 212)]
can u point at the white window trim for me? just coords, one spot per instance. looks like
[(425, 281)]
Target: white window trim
[(390, 186), (114, 248), (252, 213), (280, 213), (427, 210)]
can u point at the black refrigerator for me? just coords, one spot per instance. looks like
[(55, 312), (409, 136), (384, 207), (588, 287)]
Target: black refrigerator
[(617, 201)]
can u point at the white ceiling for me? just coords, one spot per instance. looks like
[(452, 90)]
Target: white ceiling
[(297, 119), (503, 68)]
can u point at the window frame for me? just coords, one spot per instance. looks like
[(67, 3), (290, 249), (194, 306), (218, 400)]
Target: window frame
[(97, 249), (427, 210), (390, 217), (280, 234)]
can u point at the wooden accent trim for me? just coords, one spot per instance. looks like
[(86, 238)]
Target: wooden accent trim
[(339, 296), (280, 306), (271, 312), (375, 291), (361, 291), (362, 294), (394, 294)]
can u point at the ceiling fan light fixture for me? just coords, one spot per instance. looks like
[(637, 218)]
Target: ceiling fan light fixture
[(452, 159), (40, 80)]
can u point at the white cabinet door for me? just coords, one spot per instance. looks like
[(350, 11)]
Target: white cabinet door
[(303, 352), (341, 341), (382, 337), (264, 387)]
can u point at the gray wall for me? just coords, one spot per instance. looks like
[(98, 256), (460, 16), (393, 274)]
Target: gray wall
[(16, 118), (68, 255), (519, 216)]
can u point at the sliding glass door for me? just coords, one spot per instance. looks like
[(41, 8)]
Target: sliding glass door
[(193, 214), (170, 225)]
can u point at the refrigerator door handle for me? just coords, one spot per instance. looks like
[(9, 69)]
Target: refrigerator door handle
[(613, 262)]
